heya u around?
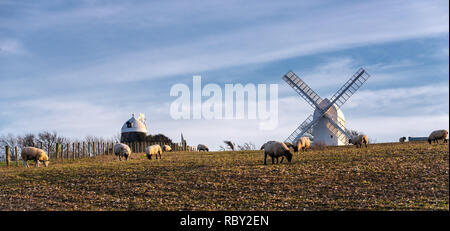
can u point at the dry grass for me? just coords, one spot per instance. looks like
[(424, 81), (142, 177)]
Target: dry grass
[(408, 176)]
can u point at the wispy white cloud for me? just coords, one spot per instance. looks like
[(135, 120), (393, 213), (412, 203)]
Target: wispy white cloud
[(11, 47), (344, 27)]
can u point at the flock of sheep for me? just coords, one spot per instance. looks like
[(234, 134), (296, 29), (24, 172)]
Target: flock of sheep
[(274, 149)]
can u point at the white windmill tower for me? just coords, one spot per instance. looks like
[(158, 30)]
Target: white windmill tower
[(327, 124)]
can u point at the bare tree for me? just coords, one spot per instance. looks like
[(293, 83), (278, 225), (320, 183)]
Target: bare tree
[(229, 144), (247, 146), (11, 141)]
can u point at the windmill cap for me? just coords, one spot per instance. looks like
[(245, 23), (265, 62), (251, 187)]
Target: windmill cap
[(134, 125)]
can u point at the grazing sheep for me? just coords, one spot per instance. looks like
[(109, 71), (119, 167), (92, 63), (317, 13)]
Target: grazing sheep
[(275, 150), (153, 150), (202, 147), (358, 140), (36, 154), (437, 135), (290, 145), (303, 144), (122, 150), (166, 148), (402, 139)]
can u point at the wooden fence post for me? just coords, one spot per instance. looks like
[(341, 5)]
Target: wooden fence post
[(73, 151), (57, 151), (8, 158), (62, 151), (17, 156), (49, 150), (89, 149), (67, 151), (84, 149), (78, 151)]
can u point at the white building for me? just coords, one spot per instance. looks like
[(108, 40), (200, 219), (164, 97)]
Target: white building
[(321, 131)]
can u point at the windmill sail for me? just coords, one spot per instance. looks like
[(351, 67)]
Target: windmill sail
[(302, 89), (338, 129), (305, 127), (350, 87)]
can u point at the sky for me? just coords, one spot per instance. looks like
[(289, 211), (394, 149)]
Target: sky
[(83, 67)]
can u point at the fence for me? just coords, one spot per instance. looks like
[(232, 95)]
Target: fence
[(72, 151)]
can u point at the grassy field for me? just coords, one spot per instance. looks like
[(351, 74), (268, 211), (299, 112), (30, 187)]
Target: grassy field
[(408, 176)]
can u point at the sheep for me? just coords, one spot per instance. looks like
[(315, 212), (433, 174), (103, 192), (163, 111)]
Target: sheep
[(122, 150), (36, 154), (166, 148), (202, 147), (275, 150), (264, 145), (402, 139), (358, 140), (437, 135), (153, 150), (290, 145), (303, 144)]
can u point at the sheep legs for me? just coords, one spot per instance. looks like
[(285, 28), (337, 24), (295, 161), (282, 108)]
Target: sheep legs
[(25, 163), (265, 157)]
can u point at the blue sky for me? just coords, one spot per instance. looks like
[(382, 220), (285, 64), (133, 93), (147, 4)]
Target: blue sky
[(82, 67)]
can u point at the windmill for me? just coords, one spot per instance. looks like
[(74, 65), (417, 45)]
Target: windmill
[(327, 123)]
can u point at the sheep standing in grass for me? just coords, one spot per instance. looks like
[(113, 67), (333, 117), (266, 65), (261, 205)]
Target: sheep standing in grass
[(122, 150), (303, 144), (153, 150), (437, 135), (358, 140), (166, 148), (402, 139), (275, 150), (202, 147), (36, 154)]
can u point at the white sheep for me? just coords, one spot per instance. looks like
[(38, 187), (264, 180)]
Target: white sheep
[(122, 150), (202, 147), (358, 140), (166, 148), (402, 139), (36, 154), (153, 150), (437, 135), (303, 144), (275, 150)]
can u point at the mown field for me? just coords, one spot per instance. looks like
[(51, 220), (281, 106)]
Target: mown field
[(409, 176)]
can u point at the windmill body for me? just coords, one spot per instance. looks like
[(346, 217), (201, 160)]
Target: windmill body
[(321, 131), (327, 123)]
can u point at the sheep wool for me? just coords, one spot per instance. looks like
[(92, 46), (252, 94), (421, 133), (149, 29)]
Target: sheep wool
[(276, 150), (437, 135), (359, 140), (167, 148), (303, 144), (153, 150), (122, 150), (202, 147), (36, 154)]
